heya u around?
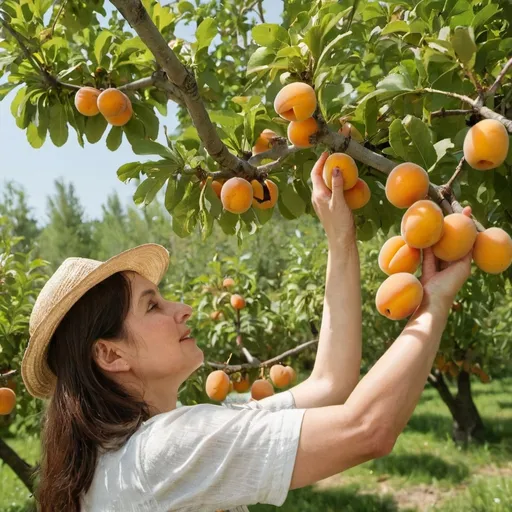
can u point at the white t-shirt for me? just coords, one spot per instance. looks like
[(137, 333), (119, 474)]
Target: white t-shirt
[(202, 458)]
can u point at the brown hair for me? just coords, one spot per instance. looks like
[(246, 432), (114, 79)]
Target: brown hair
[(88, 410)]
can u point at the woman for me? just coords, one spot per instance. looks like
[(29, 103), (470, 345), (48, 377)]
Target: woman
[(110, 355)]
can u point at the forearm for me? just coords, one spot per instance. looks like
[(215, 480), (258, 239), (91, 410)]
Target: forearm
[(390, 391), (338, 358)]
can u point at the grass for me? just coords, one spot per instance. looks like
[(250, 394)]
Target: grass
[(425, 472)]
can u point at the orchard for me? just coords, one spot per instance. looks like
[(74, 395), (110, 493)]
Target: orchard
[(413, 102)]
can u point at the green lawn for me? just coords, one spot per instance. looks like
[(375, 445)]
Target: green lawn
[(425, 472)]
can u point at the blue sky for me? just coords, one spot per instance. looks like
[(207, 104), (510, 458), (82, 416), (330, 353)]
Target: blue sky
[(91, 169)]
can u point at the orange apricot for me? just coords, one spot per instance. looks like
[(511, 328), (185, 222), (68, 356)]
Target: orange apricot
[(228, 282), (113, 102), (486, 145), (396, 256), (259, 201), (357, 196), (293, 374), (300, 131), (422, 225), (217, 385), (459, 235), (237, 301), (86, 101), (217, 187), (399, 296), (348, 130), (406, 184), (236, 195), (295, 102), (215, 315), (261, 388), (264, 141), (347, 167), (230, 387), (279, 376), (7, 401), (242, 385), (492, 251)]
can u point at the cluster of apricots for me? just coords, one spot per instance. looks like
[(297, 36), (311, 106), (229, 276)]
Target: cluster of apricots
[(423, 225), (113, 104), (219, 385), (7, 399)]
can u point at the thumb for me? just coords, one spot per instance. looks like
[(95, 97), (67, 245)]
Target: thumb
[(337, 179)]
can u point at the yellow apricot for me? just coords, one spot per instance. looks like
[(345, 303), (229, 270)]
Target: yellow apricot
[(121, 119), (280, 376), (459, 234), (492, 251), (357, 196), (295, 102), (399, 296), (86, 101), (113, 102), (236, 195), (293, 374), (396, 256), (406, 184), (422, 224), (7, 401), (228, 282), (347, 167), (242, 385), (217, 385), (264, 141), (300, 131), (237, 301), (486, 145), (348, 130), (259, 200), (261, 388)]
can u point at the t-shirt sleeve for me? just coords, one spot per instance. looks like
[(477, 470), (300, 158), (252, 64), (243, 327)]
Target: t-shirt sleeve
[(207, 457)]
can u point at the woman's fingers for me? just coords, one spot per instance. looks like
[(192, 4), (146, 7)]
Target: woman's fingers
[(319, 186), (467, 211)]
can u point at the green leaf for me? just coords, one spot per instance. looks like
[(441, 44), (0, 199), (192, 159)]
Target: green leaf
[(150, 147), (313, 39), (330, 47), (260, 60), (463, 42), (485, 14), (371, 112), (95, 127), (270, 35), (185, 6), (114, 138), (395, 26), (396, 82), (174, 193), (420, 141), (205, 32), (147, 191), (134, 130), (102, 44), (33, 136), (129, 171), (58, 125), (5, 89), (292, 201), (17, 101), (227, 119), (227, 222), (148, 118), (398, 139)]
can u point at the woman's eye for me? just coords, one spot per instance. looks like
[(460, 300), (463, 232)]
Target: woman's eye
[(152, 305)]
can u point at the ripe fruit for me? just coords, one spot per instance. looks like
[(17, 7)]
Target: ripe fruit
[(422, 225), (396, 256), (236, 195), (406, 184), (399, 296), (122, 118), (492, 251), (86, 101), (347, 167), (228, 282), (263, 142), (113, 102), (295, 102), (293, 374), (237, 301), (486, 145), (217, 187), (230, 387), (351, 131), (215, 315), (258, 200), (279, 376), (261, 388), (242, 385), (357, 196), (459, 234), (300, 131), (217, 385), (7, 401)]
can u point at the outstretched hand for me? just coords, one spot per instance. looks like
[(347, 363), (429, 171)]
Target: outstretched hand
[(441, 280)]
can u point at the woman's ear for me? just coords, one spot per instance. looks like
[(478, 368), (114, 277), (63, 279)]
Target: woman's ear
[(108, 357)]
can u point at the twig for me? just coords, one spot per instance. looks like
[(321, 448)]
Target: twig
[(260, 11), (455, 112), (458, 170), (62, 5), (494, 87), (279, 148)]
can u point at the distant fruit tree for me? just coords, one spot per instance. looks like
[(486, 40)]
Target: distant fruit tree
[(413, 101)]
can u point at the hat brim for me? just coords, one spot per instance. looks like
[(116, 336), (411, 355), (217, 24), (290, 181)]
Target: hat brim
[(149, 260)]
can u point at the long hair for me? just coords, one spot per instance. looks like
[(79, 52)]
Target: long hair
[(88, 410)]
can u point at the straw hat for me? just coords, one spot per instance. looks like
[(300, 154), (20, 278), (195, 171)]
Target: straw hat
[(66, 286)]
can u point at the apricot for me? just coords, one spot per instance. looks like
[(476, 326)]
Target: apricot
[(228, 282), (215, 315), (396, 256), (121, 119), (279, 376), (295, 102), (486, 145), (459, 234), (399, 296), (406, 184), (293, 374), (357, 196), (230, 387), (217, 385), (243, 385), (237, 301), (300, 131), (492, 251), (264, 141), (348, 130), (236, 195), (258, 191), (422, 225), (217, 187), (347, 167), (261, 388), (86, 101), (7, 401)]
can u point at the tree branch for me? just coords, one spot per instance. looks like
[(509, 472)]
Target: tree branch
[(494, 87), (458, 170), (455, 112)]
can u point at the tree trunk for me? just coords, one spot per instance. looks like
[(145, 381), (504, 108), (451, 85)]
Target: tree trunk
[(23, 470), (467, 423)]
